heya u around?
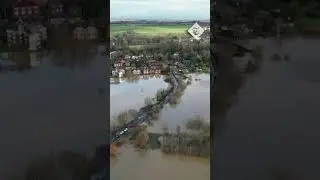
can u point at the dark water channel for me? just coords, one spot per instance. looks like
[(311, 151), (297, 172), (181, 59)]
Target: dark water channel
[(51, 104), (271, 129)]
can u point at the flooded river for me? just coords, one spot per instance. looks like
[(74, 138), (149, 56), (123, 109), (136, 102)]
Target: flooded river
[(152, 164), (51, 104), (273, 128)]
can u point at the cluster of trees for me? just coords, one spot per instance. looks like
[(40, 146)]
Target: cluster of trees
[(193, 54)]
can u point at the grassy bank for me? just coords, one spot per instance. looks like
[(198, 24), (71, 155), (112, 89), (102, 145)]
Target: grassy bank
[(149, 29)]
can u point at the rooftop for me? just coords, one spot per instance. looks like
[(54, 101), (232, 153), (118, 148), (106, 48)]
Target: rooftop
[(23, 3)]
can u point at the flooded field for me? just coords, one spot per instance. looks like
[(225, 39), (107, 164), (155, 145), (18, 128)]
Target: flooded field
[(195, 100), (131, 95), (50, 104), (146, 164), (272, 129)]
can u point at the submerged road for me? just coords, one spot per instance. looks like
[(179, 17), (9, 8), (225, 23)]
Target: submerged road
[(143, 112)]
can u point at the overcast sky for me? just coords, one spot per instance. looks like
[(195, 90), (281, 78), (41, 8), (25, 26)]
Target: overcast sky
[(159, 9)]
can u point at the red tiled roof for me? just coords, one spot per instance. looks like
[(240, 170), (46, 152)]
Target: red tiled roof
[(24, 3)]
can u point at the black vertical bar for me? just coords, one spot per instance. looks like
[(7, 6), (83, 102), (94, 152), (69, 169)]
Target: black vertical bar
[(101, 160), (213, 75), (107, 79)]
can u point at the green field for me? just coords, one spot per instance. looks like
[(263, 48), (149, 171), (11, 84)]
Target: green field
[(150, 29)]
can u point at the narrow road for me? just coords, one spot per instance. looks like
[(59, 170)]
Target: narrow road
[(143, 113)]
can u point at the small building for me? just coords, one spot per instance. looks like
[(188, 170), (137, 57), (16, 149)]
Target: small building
[(119, 63), (127, 57), (136, 71), (85, 33), (114, 72), (145, 71), (79, 33), (55, 8), (91, 33), (17, 34), (25, 9)]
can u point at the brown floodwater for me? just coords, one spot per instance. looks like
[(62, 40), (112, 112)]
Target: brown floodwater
[(195, 100), (274, 124), (51, 104), (153, 164)]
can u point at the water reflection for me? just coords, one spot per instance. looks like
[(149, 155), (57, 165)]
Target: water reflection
[(232, 73), (48, 109), (77, 55), (273, 124), (134, 79), (80, 55), (139, 163), (65, 166), (20, 61)]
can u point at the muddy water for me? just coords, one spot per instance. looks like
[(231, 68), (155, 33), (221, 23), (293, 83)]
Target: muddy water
[(129, 95), (51, 105), (195, 100), (152, 164), (146, 165), (274, 126)]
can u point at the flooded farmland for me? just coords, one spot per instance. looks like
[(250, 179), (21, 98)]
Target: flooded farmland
[(152, 163), (271, 129), (50, 104)]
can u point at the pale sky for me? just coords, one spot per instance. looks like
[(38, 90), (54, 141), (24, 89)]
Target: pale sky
[(159, 9)]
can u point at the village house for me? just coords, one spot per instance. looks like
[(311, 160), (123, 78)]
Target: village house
[(85, 33), (91, 33), (154, 70), (114, 72), (118, 72), (79, 33), (25, 9), (17, 34), (31, 35), (136, 71), (145, 70), (127, 57), (119, 62)]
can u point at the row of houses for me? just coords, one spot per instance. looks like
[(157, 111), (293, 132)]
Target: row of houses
[(135, 65), (55, 12), (119, 72), (32, 35)]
